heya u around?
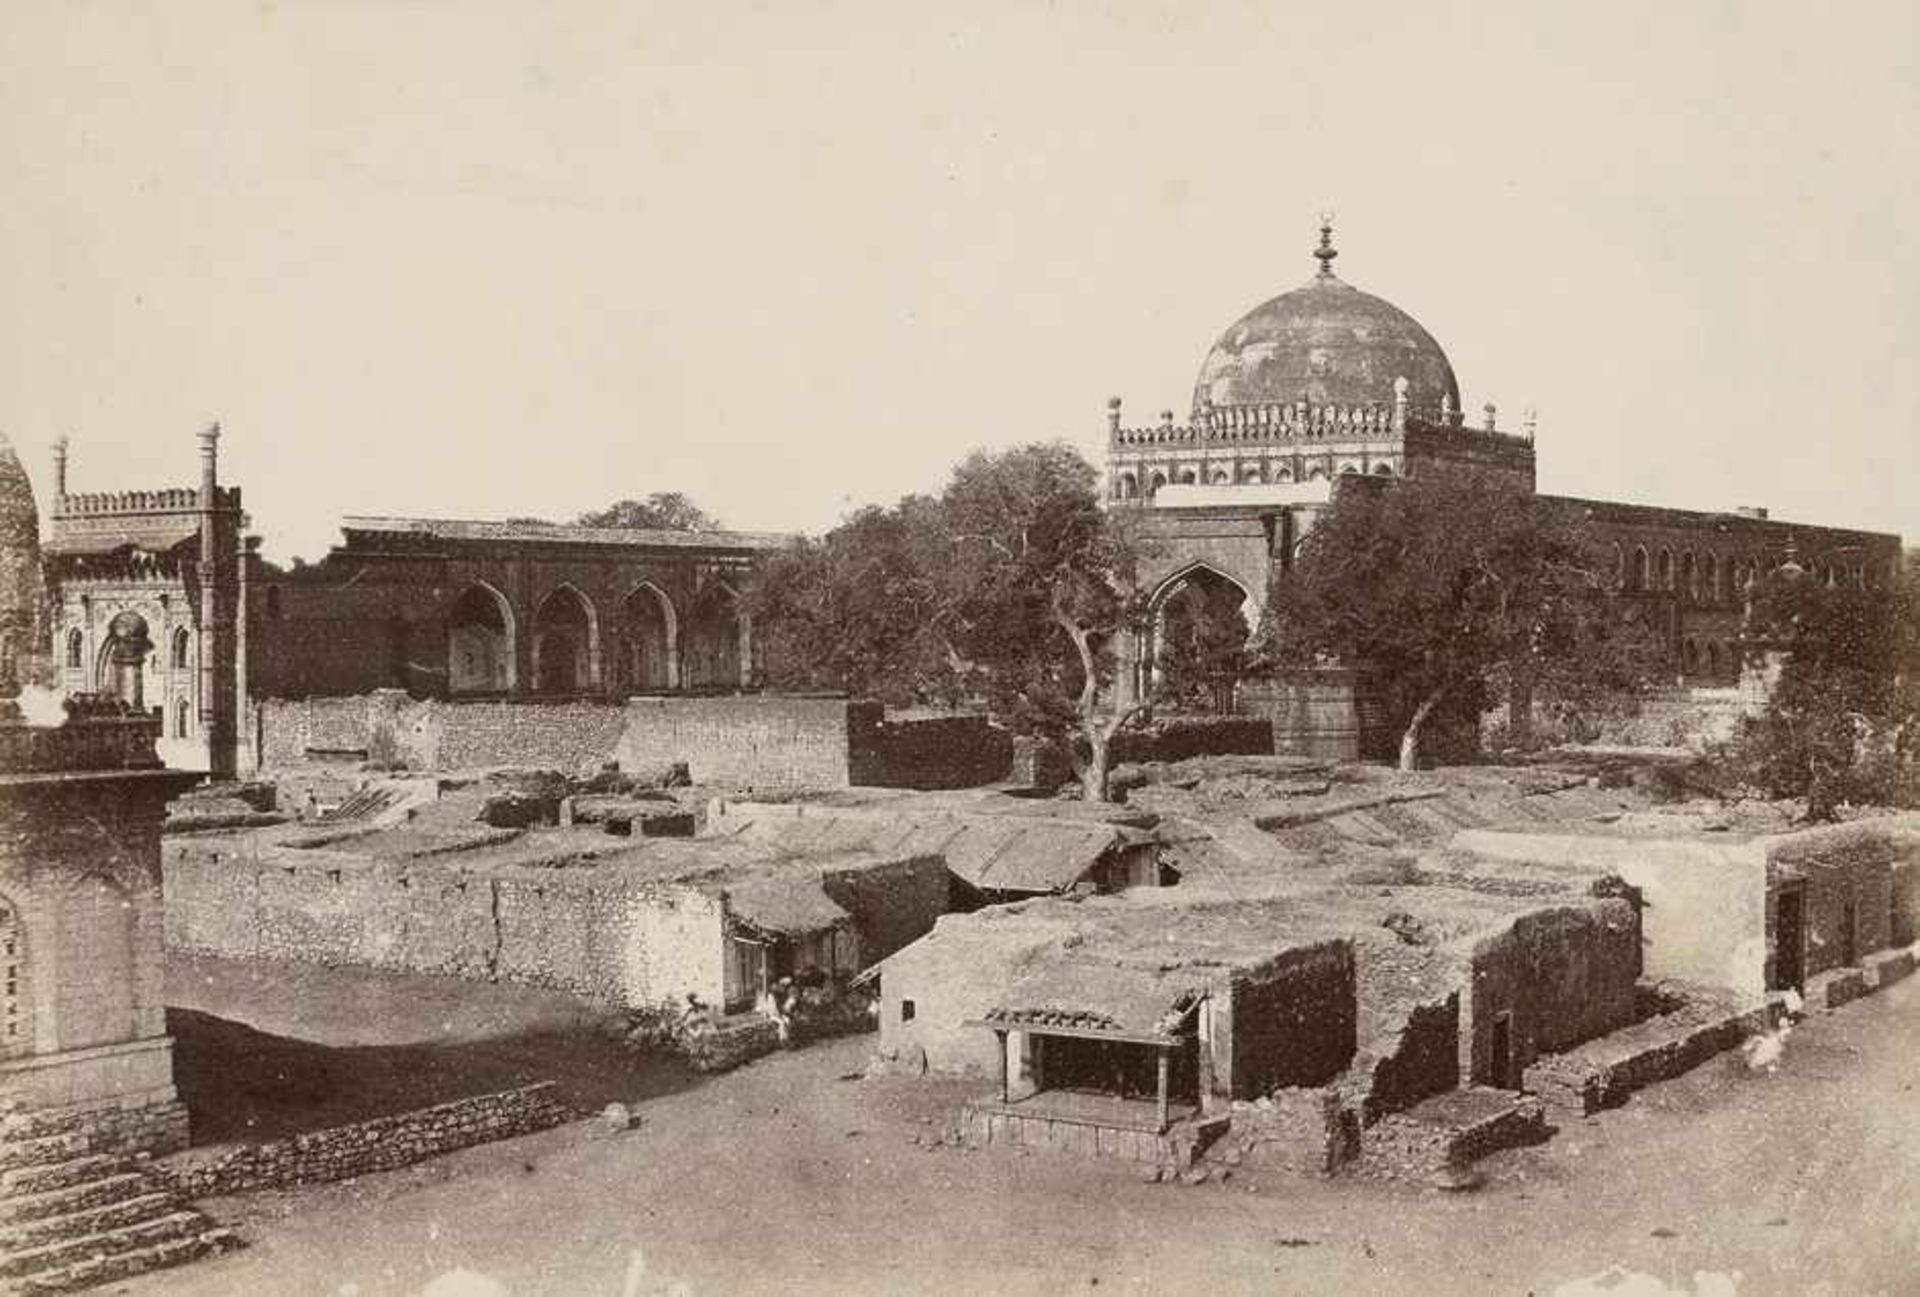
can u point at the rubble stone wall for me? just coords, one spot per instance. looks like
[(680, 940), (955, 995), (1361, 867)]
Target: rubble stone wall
[(1560, 976), (754, 741), (383, 1144), (1292, 1021)]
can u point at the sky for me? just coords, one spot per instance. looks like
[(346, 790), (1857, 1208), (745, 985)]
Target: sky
[(501, 259)]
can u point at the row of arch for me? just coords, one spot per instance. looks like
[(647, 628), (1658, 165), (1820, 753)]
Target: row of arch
[(1711, 659), (1127, 484), (571, 647), (1709, 578)]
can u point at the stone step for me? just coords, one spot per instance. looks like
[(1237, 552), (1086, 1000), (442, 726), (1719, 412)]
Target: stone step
[(67, 1252), (31, 1123), (102, 1269), (16, 1208), (86, 1220), (58, 1175), (39, 1150)]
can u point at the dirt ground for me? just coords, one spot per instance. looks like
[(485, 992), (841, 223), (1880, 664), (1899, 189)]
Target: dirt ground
[(792, 1175)]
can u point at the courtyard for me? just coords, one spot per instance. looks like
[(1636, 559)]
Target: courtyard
[(795, 1174)]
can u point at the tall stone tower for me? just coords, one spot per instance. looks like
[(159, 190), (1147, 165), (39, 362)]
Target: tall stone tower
[(19, 571)]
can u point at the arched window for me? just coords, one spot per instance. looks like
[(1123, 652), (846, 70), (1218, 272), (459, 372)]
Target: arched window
[(1713, 659), (1155, 482), (1640, 567), (1221, 477), (182, 714), (1710, 579), (1666, 569), (1251, 473), (1187, 477), (1690, 577), (182, 649), (1619, 565), (1283, 474), (1383, 470), (76, 645), (1126, 486), (1689, 657), (1348, 470)]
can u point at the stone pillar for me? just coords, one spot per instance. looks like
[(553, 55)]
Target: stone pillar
[(1160, 1088), (214, 641)]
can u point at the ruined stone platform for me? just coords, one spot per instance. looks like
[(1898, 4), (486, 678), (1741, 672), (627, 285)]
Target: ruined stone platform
[(1449, 1132)]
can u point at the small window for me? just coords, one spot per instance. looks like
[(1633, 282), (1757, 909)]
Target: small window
[(74, 642), (182, 649), (906, 1010)]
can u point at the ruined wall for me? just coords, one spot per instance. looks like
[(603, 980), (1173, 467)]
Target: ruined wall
[(1292, 1020), (754, 741), (596, 934), (1560, 976), (1425, 1061), (892, 904)]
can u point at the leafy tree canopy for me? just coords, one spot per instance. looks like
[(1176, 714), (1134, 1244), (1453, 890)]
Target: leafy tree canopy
[(1452, 585), (661, 511)]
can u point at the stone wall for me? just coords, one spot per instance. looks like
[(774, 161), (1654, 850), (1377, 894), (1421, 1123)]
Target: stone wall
[(1177, 738), (387, 726), (383, 1144), (1559, 976), (1423, 1061), (599, 935), (1292, 1021), (752, 741), (962, 750), (1846, 874)]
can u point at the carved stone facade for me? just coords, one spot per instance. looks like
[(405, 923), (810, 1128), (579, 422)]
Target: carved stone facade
[(147, 591)]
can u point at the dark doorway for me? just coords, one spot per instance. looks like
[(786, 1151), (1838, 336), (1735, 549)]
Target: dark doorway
[(1790, 941), (1500, 1062), (1849, 923)]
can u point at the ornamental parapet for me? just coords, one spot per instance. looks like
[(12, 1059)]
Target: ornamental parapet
[(181, 499), (1229, 425)]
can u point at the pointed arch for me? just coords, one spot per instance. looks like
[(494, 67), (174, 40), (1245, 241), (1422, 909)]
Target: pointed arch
[(1170, 585), (76, 649), (718, 647), (482, 642), (566, 642), (181, 654), (647, 655)]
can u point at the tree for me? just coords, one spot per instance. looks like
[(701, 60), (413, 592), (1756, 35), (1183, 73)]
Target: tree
[(1451, 586), (859, 610), (661, 511), (1845, 690), (1011, 588), (1040, 590)]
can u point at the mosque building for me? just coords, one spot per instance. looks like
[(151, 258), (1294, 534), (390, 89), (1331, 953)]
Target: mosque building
[(1327, 382)]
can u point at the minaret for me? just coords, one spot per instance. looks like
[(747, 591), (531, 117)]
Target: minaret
[(217, 720)]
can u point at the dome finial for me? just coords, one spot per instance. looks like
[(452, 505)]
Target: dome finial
[(1325, 253)]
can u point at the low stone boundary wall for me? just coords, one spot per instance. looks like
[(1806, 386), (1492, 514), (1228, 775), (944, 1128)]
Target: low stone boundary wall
[(1838, 986), (1885, 967), (731, 1042), (1602, 1073), (383, 1144)]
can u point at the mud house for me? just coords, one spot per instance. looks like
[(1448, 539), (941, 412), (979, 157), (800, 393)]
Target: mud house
[(1745, 911), (622, 920)]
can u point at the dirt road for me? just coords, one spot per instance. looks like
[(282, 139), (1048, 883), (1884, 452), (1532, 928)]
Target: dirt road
[(784, 1178)]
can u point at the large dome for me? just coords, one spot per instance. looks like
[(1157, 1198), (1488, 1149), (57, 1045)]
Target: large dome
[(1326, 343)]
